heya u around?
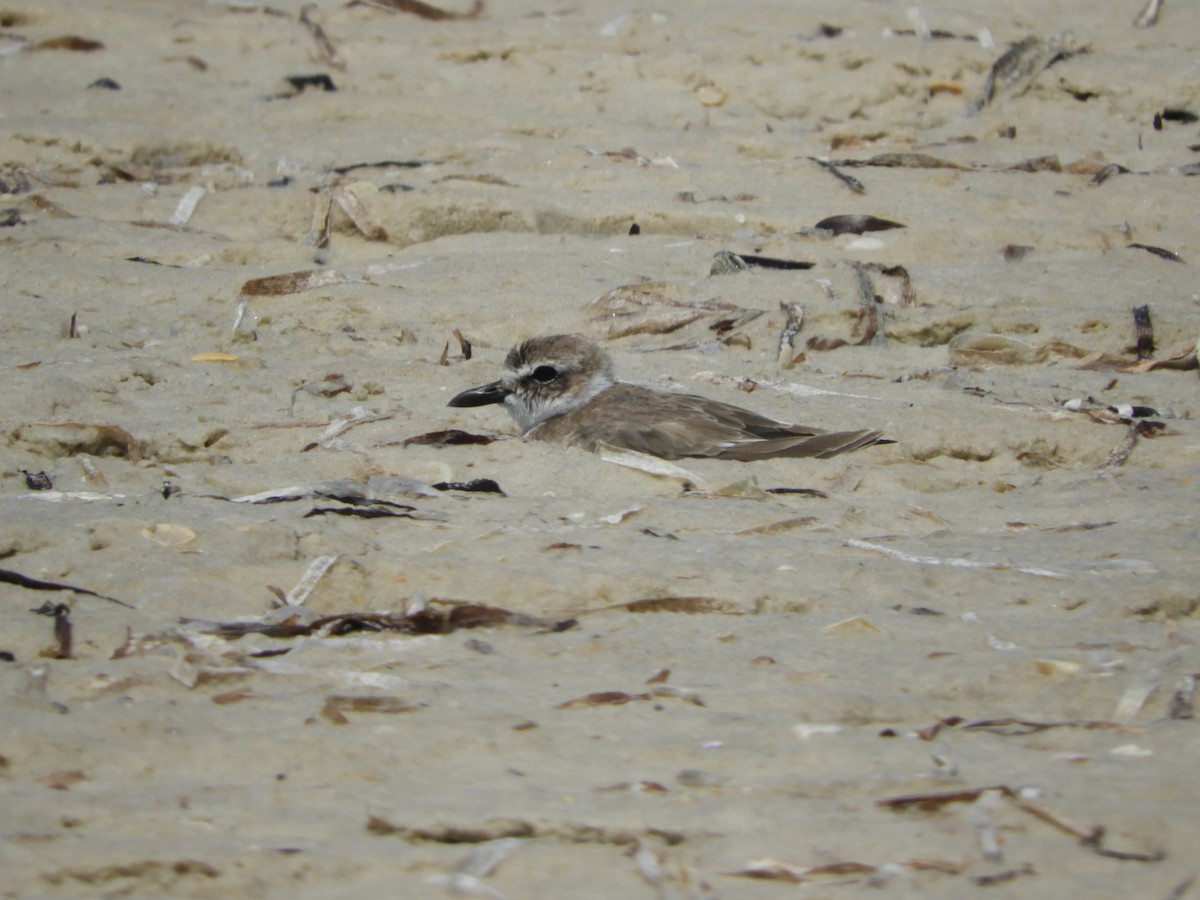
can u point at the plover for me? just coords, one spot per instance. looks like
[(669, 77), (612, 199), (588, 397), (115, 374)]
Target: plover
[(563, 388)]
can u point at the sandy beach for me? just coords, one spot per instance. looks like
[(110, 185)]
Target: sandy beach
[(277, 622)]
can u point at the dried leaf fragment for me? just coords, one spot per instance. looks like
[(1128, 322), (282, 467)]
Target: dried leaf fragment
[(435, 617), (780, 526), (7, 576), (370, 509), (849, 180), (1144, 331), (604, 698), (229, 697), (63, 635), (475, 485), (426, 11), (777, 870), (989, 349), (1048, 163), (679, 605), (450, 437), (935, 800), (324, 44), (856, 224), (69, 42), (291, 282), (642, 293), (337, 705), (903, 161), (62, 780), (661, 324), (1017, 727), (1160, 252)]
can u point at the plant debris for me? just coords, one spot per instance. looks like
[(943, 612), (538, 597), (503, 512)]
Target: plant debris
[(661, 324), (903, 160), (811, 492), (1144, 331), (435, 617), (337, 705), (848, 180), (705, 605), (62, 629), (1148, 16), (324, 44), (771, 262), (69, 42), (793, 322), (451, 437), (366, 509), (1091, 838), (301, 83), (628, 154), (475, 485), (352, 418), (7, 576), (1119, 454), (345, 490), (1157, 251), (1011, 726), (1184, 360), (1002, 877), (856, 224), (778, 870), (291, 283), (425, 11), (620, 698)]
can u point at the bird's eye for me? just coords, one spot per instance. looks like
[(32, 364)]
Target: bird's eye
[(545, 374)]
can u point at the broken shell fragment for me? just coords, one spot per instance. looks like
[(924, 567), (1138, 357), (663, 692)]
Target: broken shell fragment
[(169, 534), (710, 95), (984, 349)]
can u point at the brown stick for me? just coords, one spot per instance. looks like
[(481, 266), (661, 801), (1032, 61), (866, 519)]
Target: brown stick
[(1144, 331)]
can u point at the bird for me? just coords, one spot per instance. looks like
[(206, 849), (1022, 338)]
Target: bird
[(563, 388)]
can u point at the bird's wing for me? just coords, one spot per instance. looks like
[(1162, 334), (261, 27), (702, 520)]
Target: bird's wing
[(822, 446), (674, 426)]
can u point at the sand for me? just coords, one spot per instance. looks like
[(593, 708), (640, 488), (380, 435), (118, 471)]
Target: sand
[(755, 672)]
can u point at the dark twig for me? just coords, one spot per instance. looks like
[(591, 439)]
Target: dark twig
[(1144, 330), (9, 577)]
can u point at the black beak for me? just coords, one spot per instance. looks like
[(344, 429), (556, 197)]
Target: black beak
[(481, 396)]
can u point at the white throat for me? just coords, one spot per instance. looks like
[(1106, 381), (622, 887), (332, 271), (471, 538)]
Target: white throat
[(532, 409)]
